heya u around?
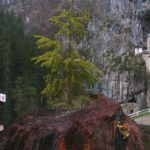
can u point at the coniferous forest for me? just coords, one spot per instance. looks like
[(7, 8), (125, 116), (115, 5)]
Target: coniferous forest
[(19, 78), (64, 73)]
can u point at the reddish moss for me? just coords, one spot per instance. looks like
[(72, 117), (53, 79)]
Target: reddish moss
[(91, 128)]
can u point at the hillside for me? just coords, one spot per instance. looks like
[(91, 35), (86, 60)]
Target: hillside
[(116, 28), (90, 128)]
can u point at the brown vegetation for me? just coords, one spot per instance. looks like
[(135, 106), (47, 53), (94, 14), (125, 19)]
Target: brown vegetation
[(91, 128)]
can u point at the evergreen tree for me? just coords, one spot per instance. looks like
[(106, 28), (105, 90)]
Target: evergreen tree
[(18, 75), (68, 72)]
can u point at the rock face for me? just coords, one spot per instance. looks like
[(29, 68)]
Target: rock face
[(117, 28), (35, 13), (91, 128)]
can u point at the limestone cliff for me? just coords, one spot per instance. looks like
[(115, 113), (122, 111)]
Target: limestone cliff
[(117, 28)]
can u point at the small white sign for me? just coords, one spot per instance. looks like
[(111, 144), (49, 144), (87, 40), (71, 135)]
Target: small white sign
[(1, 127), (138, 51), (2, 98)]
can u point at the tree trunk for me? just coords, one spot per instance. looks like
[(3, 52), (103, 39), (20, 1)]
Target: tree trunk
[(69, 97), (69, 84)]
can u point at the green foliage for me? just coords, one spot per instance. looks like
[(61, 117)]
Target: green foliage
[(44, 42), (16, 49), (24, 96), (125, 62), (109, 22), (67, 73), (126, 30), (131, 63), (71, 23), (81, 101)]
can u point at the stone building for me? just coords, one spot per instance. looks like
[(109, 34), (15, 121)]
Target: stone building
[(146, 54), (130, 106)]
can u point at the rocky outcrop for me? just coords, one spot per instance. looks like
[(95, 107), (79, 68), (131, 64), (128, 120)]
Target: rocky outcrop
[(35, 13), (118, 30), (90, 128), (117, 27)]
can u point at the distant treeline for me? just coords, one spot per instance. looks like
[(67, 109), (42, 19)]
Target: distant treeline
[(20, 79)]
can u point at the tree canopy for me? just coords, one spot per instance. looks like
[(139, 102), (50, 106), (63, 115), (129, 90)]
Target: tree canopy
[(19, 76), (68, 72)]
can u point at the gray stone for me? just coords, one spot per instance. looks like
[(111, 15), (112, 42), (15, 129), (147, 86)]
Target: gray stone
[(117, 27)]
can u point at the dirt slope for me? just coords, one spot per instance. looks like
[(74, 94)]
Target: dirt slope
[(91, 128)]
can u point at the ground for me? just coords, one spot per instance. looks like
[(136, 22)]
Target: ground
[(90, 128), (143, 120)]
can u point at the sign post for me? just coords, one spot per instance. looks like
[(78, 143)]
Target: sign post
[(2, 100), (1, 127)]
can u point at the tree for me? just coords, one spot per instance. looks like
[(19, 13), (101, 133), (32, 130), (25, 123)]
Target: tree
[(24, 96), (18, 77), (68, 71)]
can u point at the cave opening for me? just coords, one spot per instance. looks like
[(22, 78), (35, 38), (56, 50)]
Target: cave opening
[(48, 142), (76, 138), (145, 25)]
